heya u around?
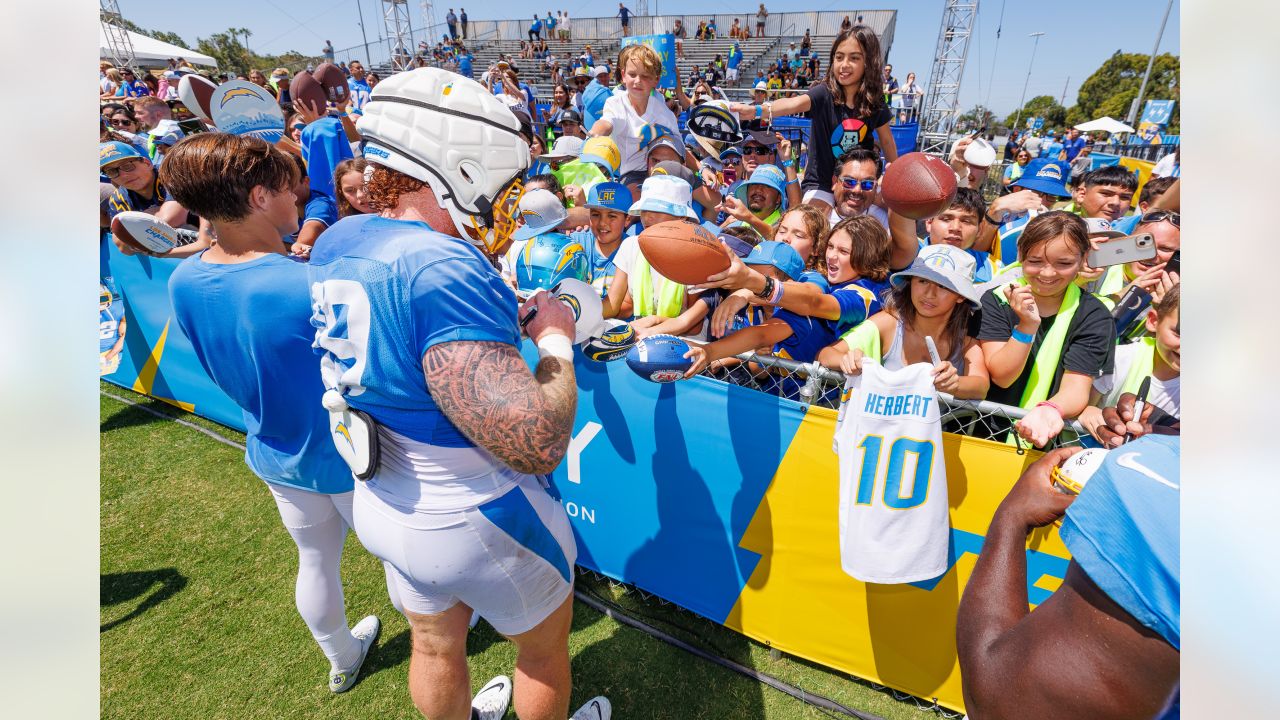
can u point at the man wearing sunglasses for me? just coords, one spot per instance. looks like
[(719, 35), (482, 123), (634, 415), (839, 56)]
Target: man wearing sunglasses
[(855, 187), (765, 147)]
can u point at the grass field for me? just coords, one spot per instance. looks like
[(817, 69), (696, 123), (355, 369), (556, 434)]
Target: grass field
[(197, 615)]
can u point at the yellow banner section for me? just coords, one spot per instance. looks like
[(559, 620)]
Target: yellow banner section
[(903, 636)]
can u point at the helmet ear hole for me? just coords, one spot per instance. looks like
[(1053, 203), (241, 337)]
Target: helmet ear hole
[(470, 171)]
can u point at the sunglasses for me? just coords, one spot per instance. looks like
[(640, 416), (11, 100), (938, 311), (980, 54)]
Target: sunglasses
[(758, 150), (122, 122), (731, 160), (113, 172), (1156, 216), (853, 183)]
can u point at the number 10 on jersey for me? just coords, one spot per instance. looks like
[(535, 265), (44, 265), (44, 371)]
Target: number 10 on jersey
[(922, 452)]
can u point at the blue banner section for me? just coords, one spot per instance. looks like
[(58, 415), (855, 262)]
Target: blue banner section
[(661, 481), (665, 46), (157, 358)]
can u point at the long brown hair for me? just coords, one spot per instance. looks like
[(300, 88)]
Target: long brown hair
[(355, 164), (898, 304), (869, 94), (870, 248)]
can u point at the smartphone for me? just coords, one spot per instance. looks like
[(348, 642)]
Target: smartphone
[(1175, 263), (191, 126), (1127, 249)]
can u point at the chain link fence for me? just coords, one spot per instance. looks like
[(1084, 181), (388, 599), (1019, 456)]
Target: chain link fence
[(813, 384)]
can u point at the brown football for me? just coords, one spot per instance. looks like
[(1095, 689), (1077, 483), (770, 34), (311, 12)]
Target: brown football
[(304, 86), (194, 91), (683, 251), (918, 186), (334, 82)]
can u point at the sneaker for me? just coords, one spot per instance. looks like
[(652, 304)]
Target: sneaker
[(366, 632), (597, 708), (492, 700)]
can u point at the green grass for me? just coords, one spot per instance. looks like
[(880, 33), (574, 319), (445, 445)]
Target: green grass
[(198, 618)]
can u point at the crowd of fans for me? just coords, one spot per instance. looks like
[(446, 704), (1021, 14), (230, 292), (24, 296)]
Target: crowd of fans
[(822, 270)]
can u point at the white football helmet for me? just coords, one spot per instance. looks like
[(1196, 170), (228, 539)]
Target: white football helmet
[(451, 133)]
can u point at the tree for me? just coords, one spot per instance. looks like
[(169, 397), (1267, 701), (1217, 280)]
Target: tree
[(171, 38), (1044, 106), (226, 50), (1113, 86), (978, 117)]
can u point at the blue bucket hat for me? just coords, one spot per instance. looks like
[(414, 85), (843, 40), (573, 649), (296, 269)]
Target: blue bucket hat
[(770, 176), (666, 194), (609, 196), (115, 151), (779, 255), (1046, 176)]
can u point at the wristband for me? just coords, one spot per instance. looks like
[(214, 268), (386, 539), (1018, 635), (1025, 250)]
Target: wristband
[(557, 346), (792, 181), (759, 111), (767, 291), (1019, 336), (776, 297), (788, 163), (1052, 405), (990, 219)]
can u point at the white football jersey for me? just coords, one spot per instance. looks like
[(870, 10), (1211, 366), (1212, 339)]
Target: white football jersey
[(893, 479)]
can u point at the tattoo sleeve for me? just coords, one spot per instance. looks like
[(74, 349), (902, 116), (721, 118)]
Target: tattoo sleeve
[(486, 389)]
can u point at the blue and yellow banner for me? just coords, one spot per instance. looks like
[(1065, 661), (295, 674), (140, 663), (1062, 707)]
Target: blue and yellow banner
[(665, 46), (721, 499)]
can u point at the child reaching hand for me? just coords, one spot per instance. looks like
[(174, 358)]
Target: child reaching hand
[(624, 115)]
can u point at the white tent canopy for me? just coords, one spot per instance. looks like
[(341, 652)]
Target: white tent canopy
[(150, 52), (1104, 124)]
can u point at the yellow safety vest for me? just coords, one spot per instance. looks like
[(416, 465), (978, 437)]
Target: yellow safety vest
[(670, 300)]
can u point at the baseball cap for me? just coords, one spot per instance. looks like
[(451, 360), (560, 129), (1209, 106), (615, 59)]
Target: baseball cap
[(114, 152), (570, 115), (675, 169), (567, 147), (946, 265), (666, 194), (762, 137), (1046, 176), (1101, 227), (779, 255), (599, 70), (731, 150), (541, 211), (770, 176), (609, 196), (602, 151)]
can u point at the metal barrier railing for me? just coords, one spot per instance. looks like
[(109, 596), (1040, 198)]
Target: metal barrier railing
[(813, 384)]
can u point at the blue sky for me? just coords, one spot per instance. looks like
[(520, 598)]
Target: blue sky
[(1077, 40)]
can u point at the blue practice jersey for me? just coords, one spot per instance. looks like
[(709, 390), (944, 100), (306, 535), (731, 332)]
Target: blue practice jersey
[(1123, 532), (859, 300), (248, 324), (383, 293), (602, 267)]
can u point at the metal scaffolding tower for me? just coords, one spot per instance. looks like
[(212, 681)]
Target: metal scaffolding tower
[(395, 15), (942, 98), (118, 42)]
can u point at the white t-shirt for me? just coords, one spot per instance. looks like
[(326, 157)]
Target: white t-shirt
[(1165, 167), (627, 124), (1165, 394), (625, 260)]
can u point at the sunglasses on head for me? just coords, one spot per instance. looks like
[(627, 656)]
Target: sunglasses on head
[(853, 183), (759, 150), (1156, 216)]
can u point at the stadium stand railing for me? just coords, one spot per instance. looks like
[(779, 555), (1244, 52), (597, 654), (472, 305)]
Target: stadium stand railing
[(813, 384)]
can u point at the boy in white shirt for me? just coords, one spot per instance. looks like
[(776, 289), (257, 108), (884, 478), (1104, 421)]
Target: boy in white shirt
[(626, 113)]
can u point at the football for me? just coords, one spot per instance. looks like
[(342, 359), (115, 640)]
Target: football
[(194, 91), (683, 251), (918, 186), (1073, 474), (334, 82), (614, 341), (659, 358), (304, 86), (143, 233)]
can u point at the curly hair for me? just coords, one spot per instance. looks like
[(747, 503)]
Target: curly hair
[(385, 186), (819, 228)]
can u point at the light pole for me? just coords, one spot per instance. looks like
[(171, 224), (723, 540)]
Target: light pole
[(1018, 119), (364, 37), (1133, 109)]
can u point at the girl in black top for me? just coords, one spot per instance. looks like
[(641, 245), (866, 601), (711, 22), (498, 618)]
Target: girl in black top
[(847, 109)]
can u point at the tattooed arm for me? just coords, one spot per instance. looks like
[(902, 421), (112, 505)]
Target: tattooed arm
[(525, 419)]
